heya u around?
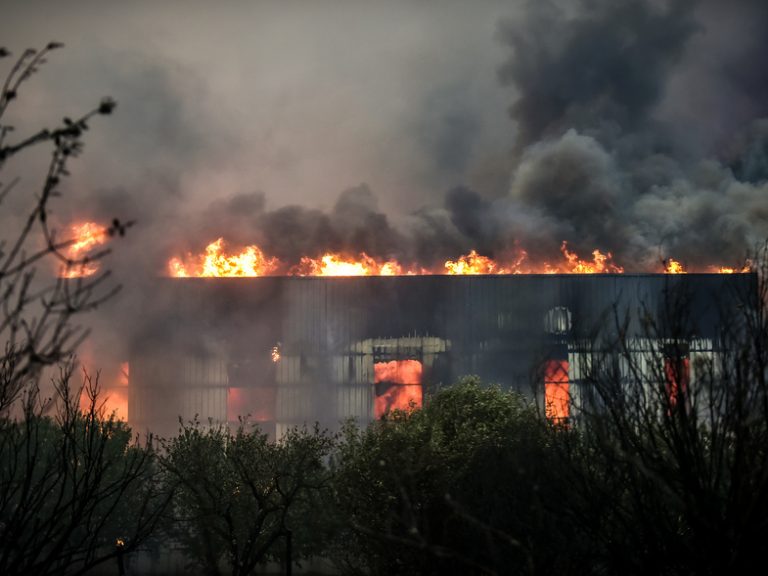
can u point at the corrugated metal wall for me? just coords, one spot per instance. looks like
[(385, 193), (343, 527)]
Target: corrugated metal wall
[(204, 335)]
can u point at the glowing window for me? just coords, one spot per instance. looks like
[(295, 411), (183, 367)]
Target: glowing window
[(556, 396), (397, 385), (113, 397), (258, 404), (677, 373)]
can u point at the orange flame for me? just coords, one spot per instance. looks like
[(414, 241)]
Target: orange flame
[(217, 264), (601, 263), (556, 393), (398, 386), (337, 265), (252, 261), (674, 267), (747, 267), (474, 263), (86, 236), (398, 372)]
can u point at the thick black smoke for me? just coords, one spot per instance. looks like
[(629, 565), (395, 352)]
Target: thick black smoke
[(637, 127), (600, 159), (354, 224), (599, 71), (598, 153)]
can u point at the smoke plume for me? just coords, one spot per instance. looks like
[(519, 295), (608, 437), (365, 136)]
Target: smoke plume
[(414, 131)]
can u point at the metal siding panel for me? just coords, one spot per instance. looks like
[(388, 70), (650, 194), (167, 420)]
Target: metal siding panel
[(493, 324)]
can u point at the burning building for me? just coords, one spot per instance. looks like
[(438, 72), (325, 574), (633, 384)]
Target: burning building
[(288, 350)]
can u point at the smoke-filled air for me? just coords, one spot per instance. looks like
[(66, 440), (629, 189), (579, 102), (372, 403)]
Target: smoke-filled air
[(400, 139), (402, 287)]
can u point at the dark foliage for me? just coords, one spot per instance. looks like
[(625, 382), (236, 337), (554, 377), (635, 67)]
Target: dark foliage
[(237, 494), (468, 485)]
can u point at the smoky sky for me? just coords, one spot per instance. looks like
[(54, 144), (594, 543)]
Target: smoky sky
[(416, 130)]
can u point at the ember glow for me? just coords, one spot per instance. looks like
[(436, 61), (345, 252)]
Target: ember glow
[(85, 238), (251, 261)]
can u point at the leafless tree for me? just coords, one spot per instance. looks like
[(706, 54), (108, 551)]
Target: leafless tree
[(37, 313), (76, 489), (73, 480), (671, 460)]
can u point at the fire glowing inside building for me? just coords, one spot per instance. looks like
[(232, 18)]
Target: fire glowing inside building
[(238, 333), (288, 350)]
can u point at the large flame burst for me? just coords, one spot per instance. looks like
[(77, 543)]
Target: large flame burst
[(214, 263)]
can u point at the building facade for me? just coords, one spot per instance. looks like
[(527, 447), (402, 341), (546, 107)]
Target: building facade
[(285, 351)]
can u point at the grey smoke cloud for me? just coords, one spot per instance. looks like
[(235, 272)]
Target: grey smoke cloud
[(749, 155), (414, 130), (635, 127), (598, 151)]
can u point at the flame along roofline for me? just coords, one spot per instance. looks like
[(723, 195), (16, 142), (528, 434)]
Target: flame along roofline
[(459, 276)]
